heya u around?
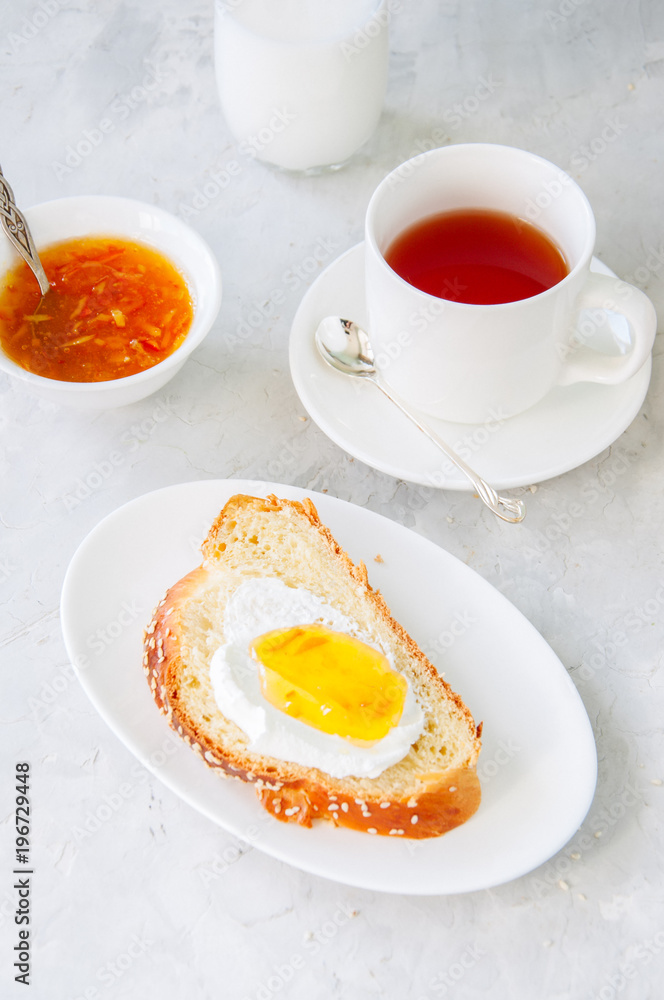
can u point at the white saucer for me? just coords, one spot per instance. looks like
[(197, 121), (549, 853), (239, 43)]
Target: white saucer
[(567, 428)]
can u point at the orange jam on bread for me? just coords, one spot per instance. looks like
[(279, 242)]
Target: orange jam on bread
[(114, 308), (330, 681)]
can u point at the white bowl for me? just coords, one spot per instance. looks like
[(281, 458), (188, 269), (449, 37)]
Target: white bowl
[(99, 215)]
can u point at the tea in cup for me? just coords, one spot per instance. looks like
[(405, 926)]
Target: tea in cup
[(477, 262)]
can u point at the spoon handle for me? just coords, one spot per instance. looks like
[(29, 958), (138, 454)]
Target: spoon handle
[(18, 231), (507, 508)]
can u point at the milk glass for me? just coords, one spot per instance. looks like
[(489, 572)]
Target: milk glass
[(301, 82)]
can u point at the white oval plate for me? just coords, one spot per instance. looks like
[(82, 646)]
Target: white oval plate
[(538, 763)]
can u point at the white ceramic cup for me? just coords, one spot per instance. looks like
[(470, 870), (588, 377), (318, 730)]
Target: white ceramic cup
[(466, 362), (301, 82)]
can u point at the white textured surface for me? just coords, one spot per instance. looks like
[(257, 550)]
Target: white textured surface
[(152, 900)]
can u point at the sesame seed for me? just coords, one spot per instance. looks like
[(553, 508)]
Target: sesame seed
[(332, 798), (575, 855), (344, 806), (292, 811), (655, 781), (332, 806), (452, 788), (372, 829), (597, 834), (385, 805), (563, 884), (414, 819), (396, 833), (412, 802)]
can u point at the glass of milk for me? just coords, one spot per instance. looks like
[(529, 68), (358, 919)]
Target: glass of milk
[(301, 82)]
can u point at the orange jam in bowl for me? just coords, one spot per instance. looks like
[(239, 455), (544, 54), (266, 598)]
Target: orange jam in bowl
[(114, 308)]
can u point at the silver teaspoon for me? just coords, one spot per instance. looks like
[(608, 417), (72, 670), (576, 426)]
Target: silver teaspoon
[(347, 348), (18, 231)]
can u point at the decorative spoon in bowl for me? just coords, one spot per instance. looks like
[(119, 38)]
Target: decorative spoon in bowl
[(18, 231)]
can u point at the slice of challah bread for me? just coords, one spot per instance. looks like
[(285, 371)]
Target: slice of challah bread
[(431, 790)]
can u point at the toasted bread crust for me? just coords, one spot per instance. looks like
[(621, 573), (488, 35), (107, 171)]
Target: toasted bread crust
[(436, 801)]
